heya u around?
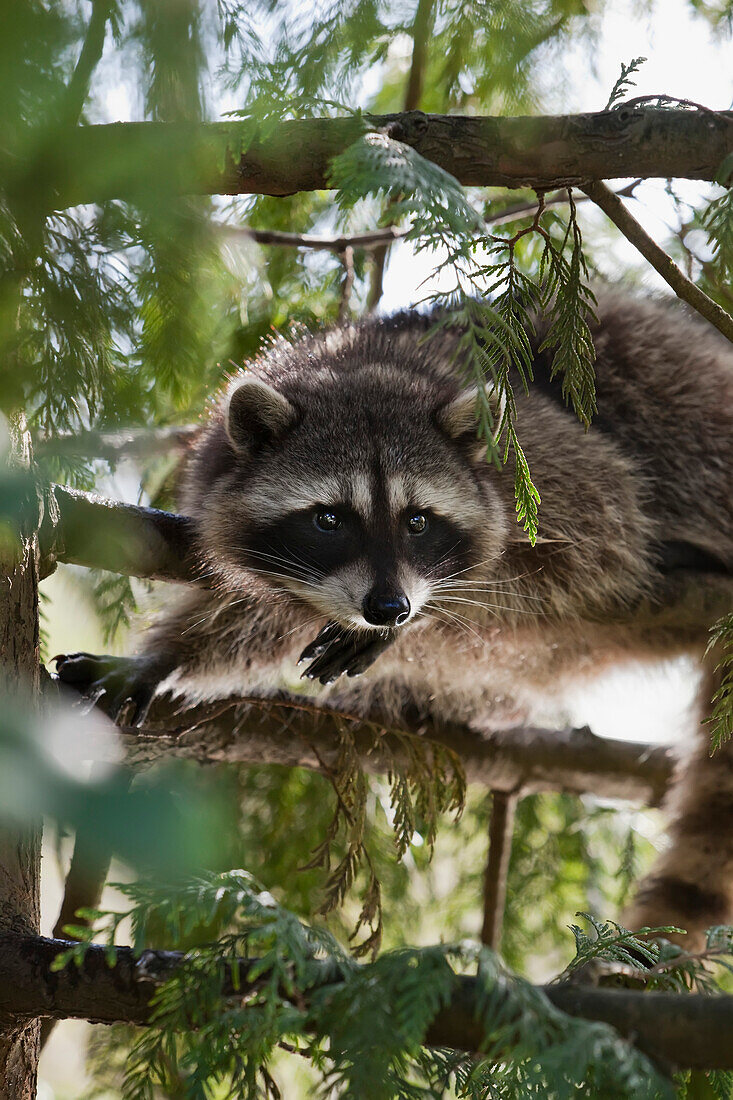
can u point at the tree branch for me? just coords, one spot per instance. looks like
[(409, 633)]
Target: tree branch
[(296, 731), (685, 1030), (118, 445), (91, 52), (612, 206), (84, 529), (93, 163), (312, 241), (147, 543)]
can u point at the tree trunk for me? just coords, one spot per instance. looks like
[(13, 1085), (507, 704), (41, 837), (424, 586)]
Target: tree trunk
[(20, 848)]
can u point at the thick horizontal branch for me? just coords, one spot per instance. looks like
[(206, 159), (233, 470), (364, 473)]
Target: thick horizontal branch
[(298, 732), (132, 159), (684, 1030), (85, 529)]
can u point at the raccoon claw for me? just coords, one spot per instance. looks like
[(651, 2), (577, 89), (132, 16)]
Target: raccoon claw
[(120, 682), (320, 644), (336, 651)]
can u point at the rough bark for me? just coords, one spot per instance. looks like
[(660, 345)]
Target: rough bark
[(684, 1030), (93, 163), (296, 732), (20, 849)]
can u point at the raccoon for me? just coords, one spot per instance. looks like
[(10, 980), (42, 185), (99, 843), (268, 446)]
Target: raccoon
[(340, 493)]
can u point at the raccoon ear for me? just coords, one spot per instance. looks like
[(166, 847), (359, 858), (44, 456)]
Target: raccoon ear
[(458, 417), (257, 412)]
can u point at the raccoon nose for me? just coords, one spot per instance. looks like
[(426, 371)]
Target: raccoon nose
[(386, 608)]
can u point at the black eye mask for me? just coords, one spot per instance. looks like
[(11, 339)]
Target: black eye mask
[(302, 548)]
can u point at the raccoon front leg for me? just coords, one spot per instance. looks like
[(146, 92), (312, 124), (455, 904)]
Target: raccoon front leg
[(119, 681), (691, 884), (337, 650), (205, 642)]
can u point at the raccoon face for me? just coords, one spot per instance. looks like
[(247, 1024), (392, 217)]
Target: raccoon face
[(362, 500)]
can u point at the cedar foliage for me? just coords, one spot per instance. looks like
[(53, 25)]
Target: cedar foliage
[(130, 313)]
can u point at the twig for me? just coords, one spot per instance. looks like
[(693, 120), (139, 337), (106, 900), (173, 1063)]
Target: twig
[(347, 257), (368, 241), (519, 209), (501, 831), (612, 206)]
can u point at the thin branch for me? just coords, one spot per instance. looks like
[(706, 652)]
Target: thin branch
[(315, 242), (77, 89), (118, 445), (84, 884), (520, 209), (690, 1031), (501, 831), (612, 206), (544, 153), (421, 31), (347, 286)]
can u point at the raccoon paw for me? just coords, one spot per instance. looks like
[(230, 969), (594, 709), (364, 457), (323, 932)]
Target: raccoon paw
[(112, 683), (337, 650)]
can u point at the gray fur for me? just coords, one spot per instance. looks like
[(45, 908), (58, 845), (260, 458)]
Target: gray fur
[(370, 405)]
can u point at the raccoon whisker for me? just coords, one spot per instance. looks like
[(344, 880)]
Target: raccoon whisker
[(485, 590), (493, 583), (493, 607), (453, 619), (445, 557), (301, 570), (474, 565), (487, 587), (309, 577), (308, 564), (299, 626), (278, 559), (211, 615), (285, 577)]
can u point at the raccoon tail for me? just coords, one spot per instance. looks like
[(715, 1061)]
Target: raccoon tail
[(691, 884)]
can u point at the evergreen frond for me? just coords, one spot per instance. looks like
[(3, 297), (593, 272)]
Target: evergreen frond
[(717, 220), (624, 82), (270, 979)]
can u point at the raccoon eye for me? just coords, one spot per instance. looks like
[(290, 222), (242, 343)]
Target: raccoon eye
[(326, 521), (416, 523)]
